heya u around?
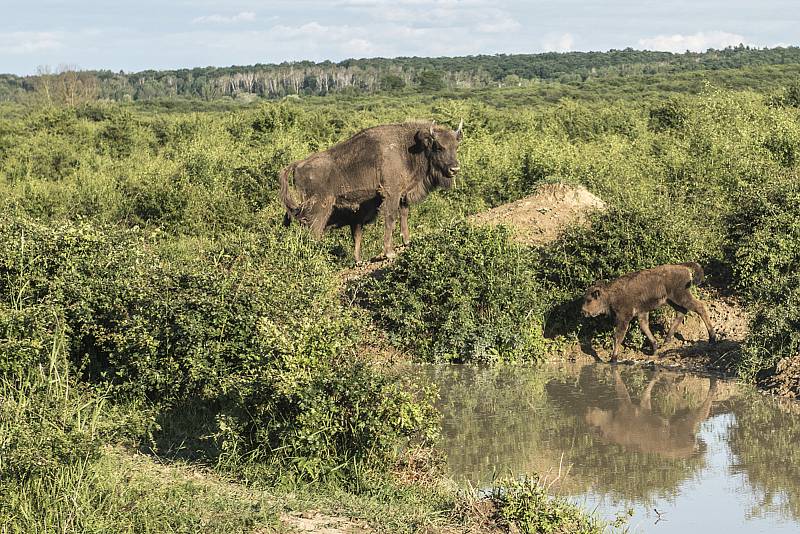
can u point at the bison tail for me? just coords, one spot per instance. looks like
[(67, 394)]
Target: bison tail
[(697, 272), (292, 207)]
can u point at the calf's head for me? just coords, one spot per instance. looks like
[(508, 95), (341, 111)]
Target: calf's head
[(595, 301), (439, 146)]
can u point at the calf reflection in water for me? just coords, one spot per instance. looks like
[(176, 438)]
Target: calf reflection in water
[(637, 427)]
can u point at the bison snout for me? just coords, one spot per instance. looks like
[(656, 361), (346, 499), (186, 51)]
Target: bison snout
[(454, 170)]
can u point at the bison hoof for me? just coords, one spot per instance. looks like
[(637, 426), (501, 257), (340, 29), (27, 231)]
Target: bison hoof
[(390, 255), (712, 339)]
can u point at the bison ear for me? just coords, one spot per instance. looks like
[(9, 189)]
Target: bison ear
[(423, 138)]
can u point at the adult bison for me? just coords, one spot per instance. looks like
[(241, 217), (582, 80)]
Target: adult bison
[(387, 167)]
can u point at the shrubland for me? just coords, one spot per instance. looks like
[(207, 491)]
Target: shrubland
[(149, 295)]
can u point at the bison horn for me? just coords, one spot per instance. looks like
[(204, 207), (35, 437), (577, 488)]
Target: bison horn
[(458, 132), (431, 130)]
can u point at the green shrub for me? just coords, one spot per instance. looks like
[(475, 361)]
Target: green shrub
[(623, 239), (525, 503), (327, 417), (250, 328), (460, 294), (765, 250)]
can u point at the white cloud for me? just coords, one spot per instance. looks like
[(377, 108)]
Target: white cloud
[(500, 25), (697, 42), (244, 16), (558, 42), (29, 42)]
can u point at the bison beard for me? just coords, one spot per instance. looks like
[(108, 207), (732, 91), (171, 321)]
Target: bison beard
[(386, 168)]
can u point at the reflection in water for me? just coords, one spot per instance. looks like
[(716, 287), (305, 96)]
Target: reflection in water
[(691, 446), (637, 427)]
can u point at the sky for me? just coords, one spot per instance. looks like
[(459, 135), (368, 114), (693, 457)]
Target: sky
[(152, 34)]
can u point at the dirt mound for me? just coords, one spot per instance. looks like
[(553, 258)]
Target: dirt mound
[(786, 379), (542, 216)]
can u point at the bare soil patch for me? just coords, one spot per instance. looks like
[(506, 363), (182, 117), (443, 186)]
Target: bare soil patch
[(542, 216), (312, 521), (785, 381)]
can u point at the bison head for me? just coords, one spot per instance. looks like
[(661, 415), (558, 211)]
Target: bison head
[(439, 146), (595, 301)]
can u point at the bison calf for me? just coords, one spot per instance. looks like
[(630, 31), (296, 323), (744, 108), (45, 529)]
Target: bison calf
[(639, 293)]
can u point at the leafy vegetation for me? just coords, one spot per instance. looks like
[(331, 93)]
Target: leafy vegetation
[(462, 294), (141, 248), (524, 502)]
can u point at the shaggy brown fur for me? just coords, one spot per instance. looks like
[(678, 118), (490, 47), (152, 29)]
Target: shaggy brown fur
[(639, 293), (387, 167)]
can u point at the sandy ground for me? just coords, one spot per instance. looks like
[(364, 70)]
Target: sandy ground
[(542, 216)]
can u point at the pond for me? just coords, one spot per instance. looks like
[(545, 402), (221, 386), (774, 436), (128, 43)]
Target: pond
[(684, 453)]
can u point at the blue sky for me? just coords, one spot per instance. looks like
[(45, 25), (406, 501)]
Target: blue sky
[(154, 34)]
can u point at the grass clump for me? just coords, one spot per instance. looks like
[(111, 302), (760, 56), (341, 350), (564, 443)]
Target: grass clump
[(525, 503)]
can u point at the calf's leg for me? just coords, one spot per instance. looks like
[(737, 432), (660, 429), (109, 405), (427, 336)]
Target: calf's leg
[(644, 326), (692, 304), (620, 329), (680, 313)]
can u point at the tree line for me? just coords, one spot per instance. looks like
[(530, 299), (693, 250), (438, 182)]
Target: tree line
[(377, 75)]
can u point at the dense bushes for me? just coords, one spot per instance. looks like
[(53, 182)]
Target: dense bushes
[(765, 250), (249, 326), (623, 239), (460, 294)]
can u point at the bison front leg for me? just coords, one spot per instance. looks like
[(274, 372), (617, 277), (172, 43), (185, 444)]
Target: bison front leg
[(620, 329), (391, 208), (355, 230), (404, 223)]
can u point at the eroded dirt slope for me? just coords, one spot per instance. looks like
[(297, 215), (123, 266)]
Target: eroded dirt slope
[(542, 216)]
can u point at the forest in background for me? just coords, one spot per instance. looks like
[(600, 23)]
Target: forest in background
[(370, 76)]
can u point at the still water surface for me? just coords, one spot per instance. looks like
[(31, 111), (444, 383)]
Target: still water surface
[(709, 455)]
